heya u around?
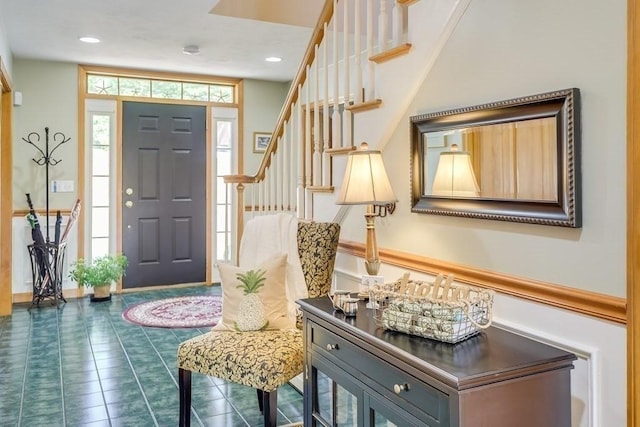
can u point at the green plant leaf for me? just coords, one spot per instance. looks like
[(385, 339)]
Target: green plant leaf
[(251, 281), (101, 271)]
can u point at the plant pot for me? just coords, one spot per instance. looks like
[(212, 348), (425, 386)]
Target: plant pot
[(101, 293)]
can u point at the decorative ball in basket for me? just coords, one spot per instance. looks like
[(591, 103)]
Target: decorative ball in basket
[(441, 310)]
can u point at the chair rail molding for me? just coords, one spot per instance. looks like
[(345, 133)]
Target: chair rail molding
[(585, 302)]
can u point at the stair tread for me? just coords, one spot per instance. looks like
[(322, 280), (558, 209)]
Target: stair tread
[(320, 188), (389, 54), (340, 150), (364, 106)]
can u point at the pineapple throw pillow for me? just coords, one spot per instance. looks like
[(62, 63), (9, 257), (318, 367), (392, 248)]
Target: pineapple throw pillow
[(254, 298)]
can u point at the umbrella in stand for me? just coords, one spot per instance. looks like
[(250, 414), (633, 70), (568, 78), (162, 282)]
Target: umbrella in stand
[(40, 249), (57, 228), (36, 232)]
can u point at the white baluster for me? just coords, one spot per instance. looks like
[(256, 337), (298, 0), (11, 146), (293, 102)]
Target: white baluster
[(308, 205), (278, 169), (274, 181), (346, 54), (293, 152), (397, 23), (346, 59), (264, 192), (284, 150), (308, 146), (317, 148), (261, 195), (383, 27), (357, 49), (267, 191), (299, 159), (326, 158), (336, 117), (371, 77), (252, 199), (283, 169)]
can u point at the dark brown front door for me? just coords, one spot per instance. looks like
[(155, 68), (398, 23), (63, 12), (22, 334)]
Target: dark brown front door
[(163, 194)]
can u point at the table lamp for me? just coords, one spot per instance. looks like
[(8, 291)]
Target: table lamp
[(366, 183)]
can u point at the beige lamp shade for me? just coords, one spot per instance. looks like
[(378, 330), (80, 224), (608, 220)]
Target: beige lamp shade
[(454, 175), (365, 180)]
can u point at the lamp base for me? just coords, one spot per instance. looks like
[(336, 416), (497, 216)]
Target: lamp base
[(371, 257), (372, 266)]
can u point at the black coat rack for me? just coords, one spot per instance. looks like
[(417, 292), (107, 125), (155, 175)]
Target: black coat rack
[(47, 258), (46, 160)]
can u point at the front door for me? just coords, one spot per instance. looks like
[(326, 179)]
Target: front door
[(163, 193)]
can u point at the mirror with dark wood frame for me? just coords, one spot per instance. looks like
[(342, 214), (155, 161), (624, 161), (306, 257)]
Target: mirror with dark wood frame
[(515, 160)]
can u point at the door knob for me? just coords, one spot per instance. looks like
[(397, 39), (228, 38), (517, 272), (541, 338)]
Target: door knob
[(128, 203), (129, 191)]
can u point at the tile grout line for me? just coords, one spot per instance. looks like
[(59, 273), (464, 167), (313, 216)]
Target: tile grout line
[(24, 372), (93, 357), (135, 375), (64, 412)]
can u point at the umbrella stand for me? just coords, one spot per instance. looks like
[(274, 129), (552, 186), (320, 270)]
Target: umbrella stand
[(47, 258)]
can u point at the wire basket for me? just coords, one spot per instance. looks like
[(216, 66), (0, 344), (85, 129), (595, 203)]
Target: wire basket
[(440, 310)]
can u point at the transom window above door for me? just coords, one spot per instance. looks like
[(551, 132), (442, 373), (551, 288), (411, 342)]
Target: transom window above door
[(102, 84)]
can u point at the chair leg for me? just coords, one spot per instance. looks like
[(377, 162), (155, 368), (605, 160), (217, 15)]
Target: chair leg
[(260, 399), (184, 385), (270, 407)]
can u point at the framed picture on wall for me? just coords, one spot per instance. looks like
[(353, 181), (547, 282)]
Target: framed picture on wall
[(261, 141)]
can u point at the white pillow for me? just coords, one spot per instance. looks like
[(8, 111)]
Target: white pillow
[(272, 295)]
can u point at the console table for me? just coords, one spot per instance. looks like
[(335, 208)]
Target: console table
[(359, 374)]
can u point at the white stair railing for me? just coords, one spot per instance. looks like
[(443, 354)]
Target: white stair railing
[(335, 77)]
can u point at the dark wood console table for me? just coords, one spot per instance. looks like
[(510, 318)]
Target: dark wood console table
[(359, 374)]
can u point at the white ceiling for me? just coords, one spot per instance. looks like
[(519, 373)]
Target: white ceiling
[(150, 34)]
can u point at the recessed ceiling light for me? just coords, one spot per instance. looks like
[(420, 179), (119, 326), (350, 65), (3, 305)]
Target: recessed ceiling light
[(191, 49), (89, 40), (273, 59)]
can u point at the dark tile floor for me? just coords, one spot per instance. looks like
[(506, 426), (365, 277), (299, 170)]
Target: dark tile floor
[(82, 365)]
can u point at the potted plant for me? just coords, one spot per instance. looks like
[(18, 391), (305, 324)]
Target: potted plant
[(99, 274)]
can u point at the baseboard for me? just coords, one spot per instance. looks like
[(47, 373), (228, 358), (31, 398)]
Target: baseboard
[(22, 297)]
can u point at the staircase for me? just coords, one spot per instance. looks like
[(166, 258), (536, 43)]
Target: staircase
[(364, 64)]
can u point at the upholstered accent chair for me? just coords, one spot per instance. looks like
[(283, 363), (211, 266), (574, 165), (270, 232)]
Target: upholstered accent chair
[(264, 360)]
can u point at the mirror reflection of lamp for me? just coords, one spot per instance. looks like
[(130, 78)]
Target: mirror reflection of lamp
[(454, 175), (366, 183)]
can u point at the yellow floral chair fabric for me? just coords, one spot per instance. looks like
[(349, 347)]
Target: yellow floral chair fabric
[(264, 360)]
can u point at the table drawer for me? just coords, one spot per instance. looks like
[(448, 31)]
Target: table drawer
[(381, 375), (333, 346)]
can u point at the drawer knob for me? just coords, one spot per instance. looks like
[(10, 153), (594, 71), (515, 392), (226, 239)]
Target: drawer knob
[(332, 347), (399, 388)]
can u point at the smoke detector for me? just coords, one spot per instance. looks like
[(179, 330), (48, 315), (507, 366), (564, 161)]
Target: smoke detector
[(191, 49)]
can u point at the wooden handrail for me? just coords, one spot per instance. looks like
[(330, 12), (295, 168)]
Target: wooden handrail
[(292, 97)]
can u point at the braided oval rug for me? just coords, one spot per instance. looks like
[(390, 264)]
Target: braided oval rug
[(178, 312)]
